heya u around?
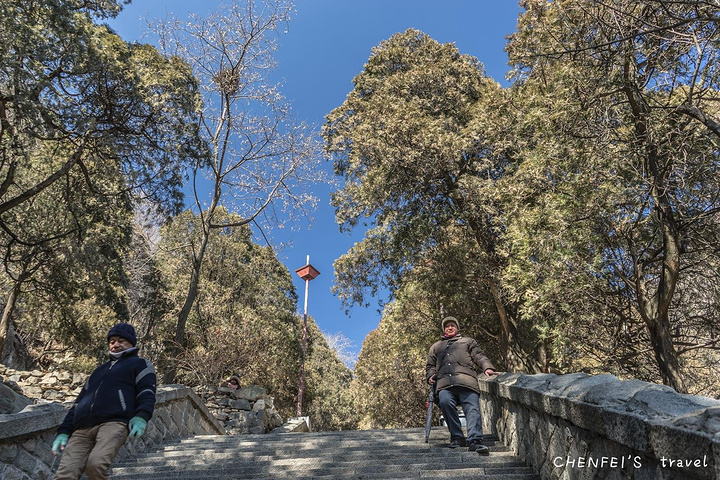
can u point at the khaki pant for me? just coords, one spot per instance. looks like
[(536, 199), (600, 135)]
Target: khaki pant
[(92, 450)]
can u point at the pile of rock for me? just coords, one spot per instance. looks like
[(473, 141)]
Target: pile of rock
[(245, 410), (41, 387)]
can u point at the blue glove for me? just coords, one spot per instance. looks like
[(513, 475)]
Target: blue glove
[(59, 443), (137, 426)]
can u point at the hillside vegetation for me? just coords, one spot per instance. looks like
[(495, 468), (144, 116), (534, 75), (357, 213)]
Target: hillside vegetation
[(570, 220)]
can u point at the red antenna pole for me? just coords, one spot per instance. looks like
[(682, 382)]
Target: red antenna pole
[(307, 273)]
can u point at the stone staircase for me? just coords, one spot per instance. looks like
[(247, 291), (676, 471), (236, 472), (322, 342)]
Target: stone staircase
[(368, 454)]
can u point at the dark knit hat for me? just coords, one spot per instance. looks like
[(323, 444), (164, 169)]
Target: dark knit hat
[(124, 330), (450, 319)]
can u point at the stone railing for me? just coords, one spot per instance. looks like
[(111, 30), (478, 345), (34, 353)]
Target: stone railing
[(579, 426), (26, 437)]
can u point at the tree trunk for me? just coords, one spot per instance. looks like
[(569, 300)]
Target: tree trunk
[(666, 355), (655, 306), (515, 357), (513, 354), (180, 340), (7, 315), (9, 308)]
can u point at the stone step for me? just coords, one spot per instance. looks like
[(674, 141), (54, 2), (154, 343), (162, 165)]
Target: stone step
[(311, 462), (337, 473), (295, 450), (409, 433), (378, 472), (311, 440), (224, 449), (460, 474), (370, 454), (414, 435), (224, 456)]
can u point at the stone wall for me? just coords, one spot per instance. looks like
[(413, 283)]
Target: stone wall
[(245, 410), (55, 386), (26, 437), (599, 427)]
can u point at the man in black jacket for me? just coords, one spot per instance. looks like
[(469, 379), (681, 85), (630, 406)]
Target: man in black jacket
[(451, 365), (118, 399)]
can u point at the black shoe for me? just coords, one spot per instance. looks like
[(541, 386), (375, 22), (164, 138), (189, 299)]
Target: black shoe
[(457, 442), (479, 448)]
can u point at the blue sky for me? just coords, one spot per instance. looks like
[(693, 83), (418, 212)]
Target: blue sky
[(326, 45)]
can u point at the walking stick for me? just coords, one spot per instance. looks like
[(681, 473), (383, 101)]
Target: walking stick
[(429, 405)]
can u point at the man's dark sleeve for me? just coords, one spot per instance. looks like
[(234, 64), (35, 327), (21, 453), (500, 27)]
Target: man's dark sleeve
[(145, 386)]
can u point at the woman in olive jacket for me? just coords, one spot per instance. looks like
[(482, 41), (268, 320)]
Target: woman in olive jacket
[(452, 366)]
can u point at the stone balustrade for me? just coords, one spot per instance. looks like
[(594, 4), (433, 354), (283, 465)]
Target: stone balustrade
[(26, 437), (246, 410), (582, 427)]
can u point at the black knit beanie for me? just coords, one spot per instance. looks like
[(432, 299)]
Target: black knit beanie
[(124, 330)]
